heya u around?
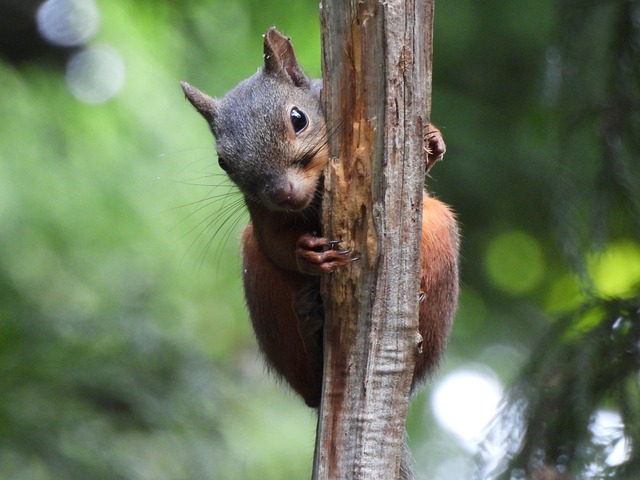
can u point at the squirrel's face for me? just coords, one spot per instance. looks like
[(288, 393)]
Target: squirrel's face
[(270, 138), (270, 131)]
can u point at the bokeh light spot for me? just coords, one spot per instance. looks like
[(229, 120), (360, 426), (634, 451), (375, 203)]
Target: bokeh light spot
[(514, 262), (95, 74), (617, 270), (465, 401), (68, 22), (607, 429)]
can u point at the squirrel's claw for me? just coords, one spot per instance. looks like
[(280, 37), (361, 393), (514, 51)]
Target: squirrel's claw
[(318, 255), (436, 148)]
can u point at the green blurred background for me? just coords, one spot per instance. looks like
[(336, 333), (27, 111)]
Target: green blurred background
[(125, 351)]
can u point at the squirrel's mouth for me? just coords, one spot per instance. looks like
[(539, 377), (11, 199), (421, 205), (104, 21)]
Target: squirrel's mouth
[(292, 194), (289, 201)]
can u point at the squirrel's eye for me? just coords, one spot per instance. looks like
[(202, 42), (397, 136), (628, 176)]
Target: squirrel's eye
[(223, 164), (299, 120)]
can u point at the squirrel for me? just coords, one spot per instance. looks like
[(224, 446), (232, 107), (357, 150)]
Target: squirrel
[(271, 139)]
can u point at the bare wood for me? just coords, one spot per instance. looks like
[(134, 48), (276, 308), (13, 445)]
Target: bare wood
[(377, 86)]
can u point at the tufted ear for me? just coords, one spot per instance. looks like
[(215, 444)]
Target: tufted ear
[(280, 59), (202, 102)]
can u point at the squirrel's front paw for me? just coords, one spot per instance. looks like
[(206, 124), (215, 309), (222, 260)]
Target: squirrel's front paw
[(317, 255), (436, 147)]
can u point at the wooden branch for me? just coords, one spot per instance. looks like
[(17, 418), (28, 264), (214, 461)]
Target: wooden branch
[(377, 89)]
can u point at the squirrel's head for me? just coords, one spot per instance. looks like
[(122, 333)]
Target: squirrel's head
[(270, 130)]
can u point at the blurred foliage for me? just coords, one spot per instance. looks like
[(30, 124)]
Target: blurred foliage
[(587, 364), (124, 346)]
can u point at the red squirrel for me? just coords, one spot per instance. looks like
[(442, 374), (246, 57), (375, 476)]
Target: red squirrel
[(271, 139)]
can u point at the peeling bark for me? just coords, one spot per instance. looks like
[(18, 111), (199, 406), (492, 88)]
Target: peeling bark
[(377, 90)]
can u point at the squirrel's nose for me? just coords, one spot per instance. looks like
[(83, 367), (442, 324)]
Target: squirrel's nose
[(289, 197), (283, 194)]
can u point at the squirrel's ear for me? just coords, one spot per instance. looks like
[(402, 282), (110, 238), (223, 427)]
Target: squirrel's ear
[(280, 59), (202, 102)]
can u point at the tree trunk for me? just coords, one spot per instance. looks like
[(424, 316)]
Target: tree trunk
[(377, 89)]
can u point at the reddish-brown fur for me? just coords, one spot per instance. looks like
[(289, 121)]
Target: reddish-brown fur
[(277, 164), (273, 280), (438, 283)]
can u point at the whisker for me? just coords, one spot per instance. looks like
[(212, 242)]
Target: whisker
[(223, 221), (196, 181), (214, 216), (209, 199), (227, 227)]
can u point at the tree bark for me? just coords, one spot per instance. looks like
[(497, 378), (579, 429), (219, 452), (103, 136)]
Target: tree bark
[(377, 90)]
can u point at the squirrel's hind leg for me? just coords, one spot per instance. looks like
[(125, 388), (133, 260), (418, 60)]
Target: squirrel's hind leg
[(284, 320)]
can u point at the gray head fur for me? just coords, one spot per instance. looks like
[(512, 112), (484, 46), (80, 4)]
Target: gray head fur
[(260, 145)]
